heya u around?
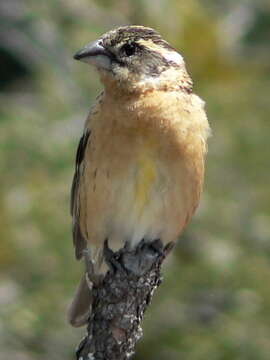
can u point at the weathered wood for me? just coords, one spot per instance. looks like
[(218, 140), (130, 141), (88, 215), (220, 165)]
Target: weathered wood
[(120, 301)]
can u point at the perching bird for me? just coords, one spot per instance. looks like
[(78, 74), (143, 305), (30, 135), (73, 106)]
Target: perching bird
[(140, 162)]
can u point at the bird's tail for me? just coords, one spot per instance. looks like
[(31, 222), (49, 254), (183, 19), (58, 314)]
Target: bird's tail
[(80, 308)]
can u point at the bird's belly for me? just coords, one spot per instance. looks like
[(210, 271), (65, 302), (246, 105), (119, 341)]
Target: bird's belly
[(147, 203), (139, 193)]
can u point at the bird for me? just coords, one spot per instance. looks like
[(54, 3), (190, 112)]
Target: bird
[(140, 162)]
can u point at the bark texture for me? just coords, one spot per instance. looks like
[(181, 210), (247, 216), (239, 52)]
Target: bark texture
[(120, 301)]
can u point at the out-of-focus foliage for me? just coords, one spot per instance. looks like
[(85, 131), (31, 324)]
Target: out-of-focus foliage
[(215, 300)]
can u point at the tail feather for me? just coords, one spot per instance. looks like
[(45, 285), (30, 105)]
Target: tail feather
[(80, 308)]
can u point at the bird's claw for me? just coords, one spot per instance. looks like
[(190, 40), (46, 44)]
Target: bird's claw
[(157, 246), (111, 258)]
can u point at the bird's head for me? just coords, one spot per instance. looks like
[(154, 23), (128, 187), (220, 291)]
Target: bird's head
[(136, 58)]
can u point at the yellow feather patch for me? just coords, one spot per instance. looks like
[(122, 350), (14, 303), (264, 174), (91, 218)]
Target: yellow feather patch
[(146, 177)]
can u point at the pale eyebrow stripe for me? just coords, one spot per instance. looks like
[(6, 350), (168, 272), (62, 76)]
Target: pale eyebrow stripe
[(168, 55), (174, 57)]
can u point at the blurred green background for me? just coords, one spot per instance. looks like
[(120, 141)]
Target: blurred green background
[(214, 302)]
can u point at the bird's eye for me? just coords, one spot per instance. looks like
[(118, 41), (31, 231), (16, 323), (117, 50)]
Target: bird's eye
[(129, 49)]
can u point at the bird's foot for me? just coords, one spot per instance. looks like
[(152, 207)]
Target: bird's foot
[(142, 258), (168, 248), (112, 258), (138, 260), (155, 247)]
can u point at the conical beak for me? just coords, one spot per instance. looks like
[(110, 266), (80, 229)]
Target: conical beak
[(92, 49), (95, 53)]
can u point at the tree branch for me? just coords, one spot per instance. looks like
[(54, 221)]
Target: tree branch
[(119, 303)]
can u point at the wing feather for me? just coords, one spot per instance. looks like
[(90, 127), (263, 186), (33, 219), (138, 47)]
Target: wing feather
[(78, 239)]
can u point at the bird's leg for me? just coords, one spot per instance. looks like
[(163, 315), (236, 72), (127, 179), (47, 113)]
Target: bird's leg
[(91, 277), (141, 245), (112, 259), (157, 246), (168, 248), (137, 260)]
